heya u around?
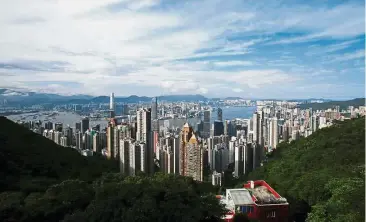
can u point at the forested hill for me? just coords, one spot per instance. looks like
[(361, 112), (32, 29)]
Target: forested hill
[(324, 172), (332, 104), (29, 161), (41, 181)]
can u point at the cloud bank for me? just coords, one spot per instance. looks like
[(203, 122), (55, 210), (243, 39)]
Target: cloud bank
[(217, 48)]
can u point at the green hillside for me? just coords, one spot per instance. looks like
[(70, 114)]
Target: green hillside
[(342, 104), (31, 163), (324, 173), (41, 181)]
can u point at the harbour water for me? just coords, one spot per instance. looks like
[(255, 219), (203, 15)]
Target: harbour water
[(68, 118)]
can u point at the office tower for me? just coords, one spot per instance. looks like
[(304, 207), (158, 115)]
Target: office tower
[(68, 133), (57, 127), (79, 140), (78, 126), (232, 150), (125, 110), (220, 157), (200, 128), (154, 108), (96, 127), (219, 114), (48, 125), (111, 102), (112, 106), (218, 128), (273, 133), (206, 123), (191, 162), (84, 124), (88, 139)]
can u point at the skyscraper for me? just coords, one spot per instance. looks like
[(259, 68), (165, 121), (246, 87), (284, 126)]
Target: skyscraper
[(143, 117), (256, 123), (206, 123), (84, 124), (112, 139), (144, 134), (111, 102), (273, 133), (112, 106), (219, 114), (191, 155), (154, 108)]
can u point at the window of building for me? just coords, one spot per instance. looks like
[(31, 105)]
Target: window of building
[(271, 214)]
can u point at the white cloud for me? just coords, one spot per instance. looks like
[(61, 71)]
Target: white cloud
[(237, 90), (104, 44), (348, 56), (233, 63)]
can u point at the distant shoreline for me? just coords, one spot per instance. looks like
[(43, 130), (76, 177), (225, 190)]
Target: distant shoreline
[(17, 113)]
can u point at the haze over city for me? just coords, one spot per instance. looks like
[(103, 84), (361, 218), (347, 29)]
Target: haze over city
[(260, 49)]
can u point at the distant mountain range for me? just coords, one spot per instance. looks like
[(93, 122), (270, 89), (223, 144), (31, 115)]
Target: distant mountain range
[(24, 97), (21, 97)]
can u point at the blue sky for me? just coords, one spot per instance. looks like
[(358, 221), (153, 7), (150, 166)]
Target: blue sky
[(218, 48)]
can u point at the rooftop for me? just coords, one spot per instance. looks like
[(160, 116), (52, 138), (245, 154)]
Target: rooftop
[(240, 196)]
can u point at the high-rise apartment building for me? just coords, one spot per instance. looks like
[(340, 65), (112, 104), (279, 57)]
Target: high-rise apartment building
[(143, 117), (112, 139), (256, 124), (273, 132), (191, 155)]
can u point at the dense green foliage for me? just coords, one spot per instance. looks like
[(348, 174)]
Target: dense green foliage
[(325, 171), (342, 104), (41, 181)]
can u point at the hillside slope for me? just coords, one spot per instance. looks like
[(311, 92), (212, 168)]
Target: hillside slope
[(31, 162), (325, 171), (41, 181)]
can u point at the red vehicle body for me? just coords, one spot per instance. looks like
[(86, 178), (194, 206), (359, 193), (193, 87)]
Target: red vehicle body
[(264, 212)]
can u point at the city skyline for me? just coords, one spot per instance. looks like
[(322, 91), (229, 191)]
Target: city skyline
[(250, 49)]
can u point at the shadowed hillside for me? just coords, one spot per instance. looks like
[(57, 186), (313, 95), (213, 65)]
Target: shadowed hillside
[(32, 162), (41, 181)]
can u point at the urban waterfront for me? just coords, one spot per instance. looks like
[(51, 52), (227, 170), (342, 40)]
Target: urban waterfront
[(70, 118)]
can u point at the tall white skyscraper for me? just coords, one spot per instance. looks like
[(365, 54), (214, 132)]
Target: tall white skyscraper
[(111, 102)]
